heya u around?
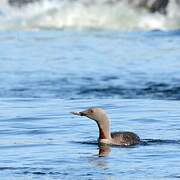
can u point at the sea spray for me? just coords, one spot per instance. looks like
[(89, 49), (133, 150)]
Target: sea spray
[(86, 15)]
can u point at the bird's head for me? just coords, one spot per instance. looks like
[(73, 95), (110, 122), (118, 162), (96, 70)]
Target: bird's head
[(97, 114)]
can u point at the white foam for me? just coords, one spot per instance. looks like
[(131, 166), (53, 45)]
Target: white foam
[(85, 14)]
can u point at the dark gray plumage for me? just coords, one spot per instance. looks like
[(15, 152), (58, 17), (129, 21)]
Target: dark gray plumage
[(125, 138)]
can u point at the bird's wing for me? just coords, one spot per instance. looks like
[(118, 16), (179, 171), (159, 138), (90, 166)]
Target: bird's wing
[(125, 138)]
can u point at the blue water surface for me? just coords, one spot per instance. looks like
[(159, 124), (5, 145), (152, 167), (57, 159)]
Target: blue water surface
[(44, 75)]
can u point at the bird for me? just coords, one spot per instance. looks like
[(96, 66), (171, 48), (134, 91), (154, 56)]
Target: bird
[(99, 115)]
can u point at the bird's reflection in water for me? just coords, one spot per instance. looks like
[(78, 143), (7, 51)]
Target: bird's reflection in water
[(104, 150), (101, 163)]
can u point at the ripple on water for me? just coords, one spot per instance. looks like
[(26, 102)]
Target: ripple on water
[(73, 71)]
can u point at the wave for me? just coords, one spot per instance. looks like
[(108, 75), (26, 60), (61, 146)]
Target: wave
[(144, 142), (159, 142), (85, 14), (152, 90), (61, 88)]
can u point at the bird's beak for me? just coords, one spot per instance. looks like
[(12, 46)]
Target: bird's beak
[(82, 113)]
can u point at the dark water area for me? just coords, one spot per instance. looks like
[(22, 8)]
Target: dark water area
[(44, 75)]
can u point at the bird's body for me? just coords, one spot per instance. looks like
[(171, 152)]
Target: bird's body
[(125, 138), (105, 136)]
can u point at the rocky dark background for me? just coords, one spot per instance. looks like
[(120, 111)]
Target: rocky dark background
[(151, 5)]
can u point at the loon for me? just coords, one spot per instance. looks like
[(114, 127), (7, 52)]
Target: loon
[(105, 135)]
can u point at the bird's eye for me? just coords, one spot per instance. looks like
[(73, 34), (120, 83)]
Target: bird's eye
[(91, 111)]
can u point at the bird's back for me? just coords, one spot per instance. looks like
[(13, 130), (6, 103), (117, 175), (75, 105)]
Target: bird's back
[(124, 138)]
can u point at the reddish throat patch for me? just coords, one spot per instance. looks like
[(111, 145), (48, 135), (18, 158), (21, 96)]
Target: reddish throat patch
[(102, 135)]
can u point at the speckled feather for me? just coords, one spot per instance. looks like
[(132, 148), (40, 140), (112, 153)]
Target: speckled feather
[(125, 138)]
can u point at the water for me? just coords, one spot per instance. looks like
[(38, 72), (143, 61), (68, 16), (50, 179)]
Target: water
[(90, 64), (40, 139), (50, 69), (47, 74)]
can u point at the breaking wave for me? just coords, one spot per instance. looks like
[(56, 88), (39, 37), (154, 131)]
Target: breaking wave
[(83, 14)]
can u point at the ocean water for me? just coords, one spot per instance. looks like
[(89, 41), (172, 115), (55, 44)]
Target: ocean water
[(49, 70), (47, 74)]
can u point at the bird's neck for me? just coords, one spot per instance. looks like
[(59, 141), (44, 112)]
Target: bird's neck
[(104, 130)]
